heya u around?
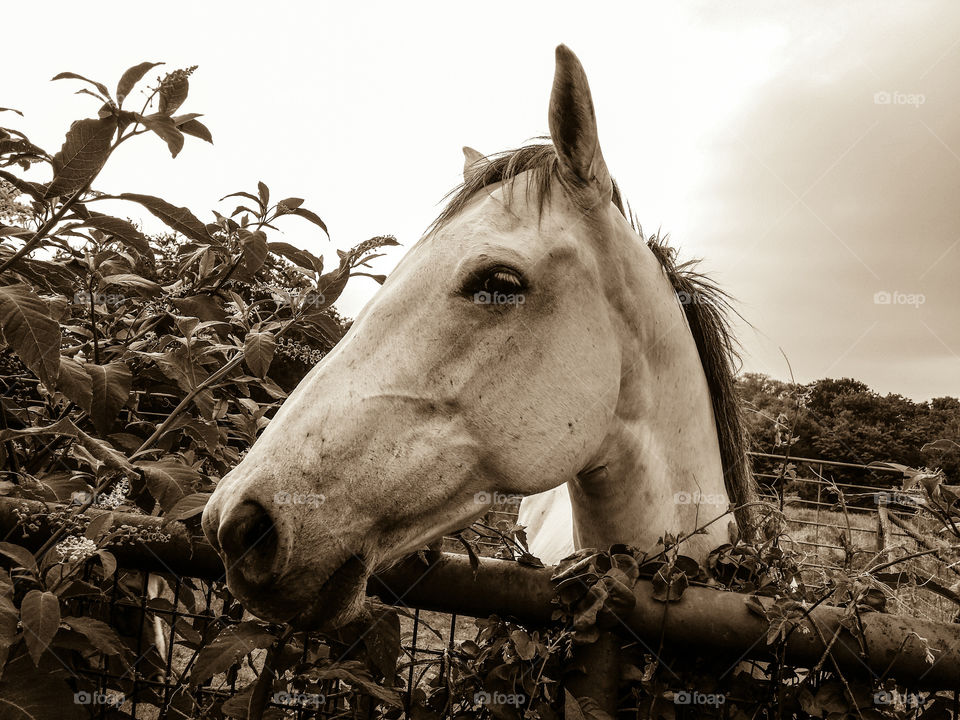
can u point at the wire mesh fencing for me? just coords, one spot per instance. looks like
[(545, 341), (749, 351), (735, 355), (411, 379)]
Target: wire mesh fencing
[(837, 515)]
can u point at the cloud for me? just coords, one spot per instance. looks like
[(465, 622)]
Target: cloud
[(838, 185)]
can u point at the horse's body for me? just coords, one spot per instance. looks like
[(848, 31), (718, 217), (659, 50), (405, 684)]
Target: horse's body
[(530, 343)]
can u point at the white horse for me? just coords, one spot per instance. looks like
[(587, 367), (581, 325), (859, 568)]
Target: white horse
[(530, 343)]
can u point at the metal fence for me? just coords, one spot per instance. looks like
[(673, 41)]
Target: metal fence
[(822, 497), (838, 515), (841, 515)]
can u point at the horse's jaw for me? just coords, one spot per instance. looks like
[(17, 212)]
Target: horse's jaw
[(341, 599)]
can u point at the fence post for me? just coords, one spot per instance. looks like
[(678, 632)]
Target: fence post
[(594, 672)]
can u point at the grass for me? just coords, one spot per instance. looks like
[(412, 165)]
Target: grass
[(828, 540)]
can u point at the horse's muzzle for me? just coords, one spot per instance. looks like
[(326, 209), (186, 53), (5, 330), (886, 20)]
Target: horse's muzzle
[(254, 548), (248, 540)]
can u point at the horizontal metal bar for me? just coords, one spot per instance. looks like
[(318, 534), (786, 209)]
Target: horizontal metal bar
[(706, 621), (825, 463)]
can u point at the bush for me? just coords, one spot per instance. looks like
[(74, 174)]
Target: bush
[(137, 369)]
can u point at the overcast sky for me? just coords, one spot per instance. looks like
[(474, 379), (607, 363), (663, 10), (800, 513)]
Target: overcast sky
[(809, 152)]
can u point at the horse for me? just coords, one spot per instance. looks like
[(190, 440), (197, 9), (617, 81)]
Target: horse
[(531, 343)]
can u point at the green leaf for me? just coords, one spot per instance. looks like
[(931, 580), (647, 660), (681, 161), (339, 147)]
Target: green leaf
[(669, 584), (40, 615), (27, 693), (99, 526), (204, 307), (20, 555), (331, 285), (30, 331), (34, 190), (14, 231), (9, 620), (525, 647), (312, 217), (228, 647), (109, 562), (103, 637), (254, 255), (196, 129), (144, 287), (242, 194), (291, 203), (63, 426), (583, 708), (124, 231), (264, 193), (131, 77), (168, 480), (165, 128), (329, 330), (258, 349), (297, 256), (179, 120), (187, 507), (382, 641), (176, 218), (84, 152), (173, 91), (75, 383), (73, 76), (110, 389)]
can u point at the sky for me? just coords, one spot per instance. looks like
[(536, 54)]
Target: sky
[(808, 152)]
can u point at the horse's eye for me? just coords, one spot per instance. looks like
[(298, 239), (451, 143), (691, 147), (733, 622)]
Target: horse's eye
[(496, 286), (503, 280)]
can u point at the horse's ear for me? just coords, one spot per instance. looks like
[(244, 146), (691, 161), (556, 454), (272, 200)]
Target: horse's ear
[(470, 158), (573, 129)]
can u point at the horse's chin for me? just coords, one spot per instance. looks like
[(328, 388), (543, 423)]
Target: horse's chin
[(341, 599)]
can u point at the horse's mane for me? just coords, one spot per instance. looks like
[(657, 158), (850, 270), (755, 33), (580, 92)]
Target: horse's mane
[(707, 308)]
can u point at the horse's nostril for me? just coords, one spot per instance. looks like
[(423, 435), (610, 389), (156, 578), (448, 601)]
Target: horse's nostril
[(249, 541)]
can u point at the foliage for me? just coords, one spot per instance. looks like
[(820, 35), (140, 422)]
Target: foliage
[(136, 371), (139, 369), (845, 420), (525, 667)]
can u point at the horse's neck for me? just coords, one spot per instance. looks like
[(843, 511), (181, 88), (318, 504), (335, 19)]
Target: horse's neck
[(660, 469)]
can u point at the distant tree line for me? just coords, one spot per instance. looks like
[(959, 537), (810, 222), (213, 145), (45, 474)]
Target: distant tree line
[(846, 420)]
